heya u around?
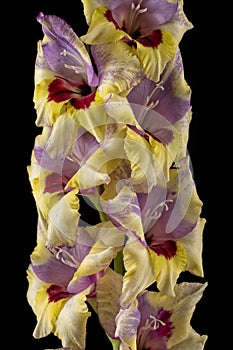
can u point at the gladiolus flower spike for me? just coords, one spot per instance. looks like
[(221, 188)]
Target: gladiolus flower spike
[(119, 216)]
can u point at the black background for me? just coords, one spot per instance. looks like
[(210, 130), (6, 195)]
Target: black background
[(23, 32)]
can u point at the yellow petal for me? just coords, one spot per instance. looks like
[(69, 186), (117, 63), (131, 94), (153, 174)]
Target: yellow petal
[(167, 271), (101, 30), (89, 7), (72, 322), (154, 60)]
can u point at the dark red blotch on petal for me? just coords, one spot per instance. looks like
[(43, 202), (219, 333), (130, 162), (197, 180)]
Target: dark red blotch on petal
[(167, 248), (58, 90), (152, 40), (109, 17), (56, 293), (165, 330), (80, 94), (83, 102)]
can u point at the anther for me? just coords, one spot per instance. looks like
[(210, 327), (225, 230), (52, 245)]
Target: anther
[(77, 69), (149, 97), (156, 322), (135, 11), (66, 258)]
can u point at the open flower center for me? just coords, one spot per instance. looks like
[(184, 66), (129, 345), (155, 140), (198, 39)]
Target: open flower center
[(66, 257), (152, 323), (78, 69), (153, 214), (149, 102), (135, 11)]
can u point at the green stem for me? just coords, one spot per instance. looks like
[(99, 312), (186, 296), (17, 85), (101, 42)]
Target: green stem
[(119, 264), (115, 343), (102, 216)]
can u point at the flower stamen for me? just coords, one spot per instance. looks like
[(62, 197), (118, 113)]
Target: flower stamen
[(152, 325), (153, 214), (66, 257), (153, 104), (77, 69), (135, 11)]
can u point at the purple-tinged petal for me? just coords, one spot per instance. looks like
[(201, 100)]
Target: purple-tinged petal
[(123, 210), (165, 320), (52, 270), (98, 259), (64, 52), (58, 267), (170, 98), (178, 24), (127, 322), (146, 17), (182, 206), (111, 60)]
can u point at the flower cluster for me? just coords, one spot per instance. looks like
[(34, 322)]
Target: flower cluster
[(114, 109)]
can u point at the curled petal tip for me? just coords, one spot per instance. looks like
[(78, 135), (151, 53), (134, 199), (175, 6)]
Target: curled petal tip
[(40, 16)]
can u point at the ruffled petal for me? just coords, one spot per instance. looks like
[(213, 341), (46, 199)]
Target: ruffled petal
[(153, 60), (111, 60), (63, 220), (139, 273), (170, 97), (97, 169), (178, 24), (183, 304), (127, 322), (65, 80), (108, 293), (194, 341), (101, 30), (47, 112), (34, 285), (167, 271), (193, 244), (124, 212), (64, 52), (185, 205), (71, 323), (171, 316), (89, 7), (59, 208), (105, 232), (46, 312), (48, 268), (99, 258), (61, 139), (150, 160)]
